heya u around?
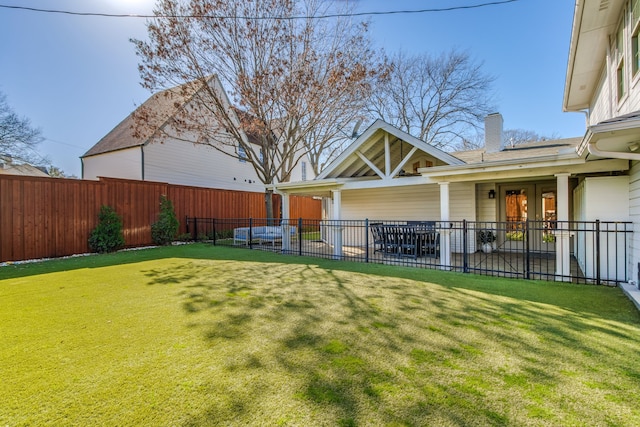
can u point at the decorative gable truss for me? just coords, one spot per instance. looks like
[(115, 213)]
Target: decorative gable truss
[(386, 153)]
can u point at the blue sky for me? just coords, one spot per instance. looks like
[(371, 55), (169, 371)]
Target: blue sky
[(76, 77)]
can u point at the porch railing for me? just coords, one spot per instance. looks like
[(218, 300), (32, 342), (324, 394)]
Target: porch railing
[(578, 251)]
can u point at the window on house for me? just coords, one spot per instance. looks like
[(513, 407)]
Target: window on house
[(635, 41), (242, 155), (304, 170), (620, 80), (619, 57), (635, 65), (416, 165)]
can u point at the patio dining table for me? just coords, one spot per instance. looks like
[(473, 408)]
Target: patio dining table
[(409, 240)]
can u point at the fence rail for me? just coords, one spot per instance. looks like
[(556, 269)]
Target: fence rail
[(53, 217), (578, 251)]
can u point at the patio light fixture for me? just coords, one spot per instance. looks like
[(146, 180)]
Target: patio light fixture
[(492, 194)]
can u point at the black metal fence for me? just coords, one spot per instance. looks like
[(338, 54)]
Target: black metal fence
[(577, 251)]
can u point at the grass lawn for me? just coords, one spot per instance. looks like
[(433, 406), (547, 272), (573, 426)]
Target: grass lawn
[(200, 335)]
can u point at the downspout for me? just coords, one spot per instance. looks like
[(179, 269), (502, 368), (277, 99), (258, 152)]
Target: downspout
[(142, 161)]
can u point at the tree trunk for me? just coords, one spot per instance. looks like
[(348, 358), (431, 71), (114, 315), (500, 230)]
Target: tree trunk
[(268, 203)]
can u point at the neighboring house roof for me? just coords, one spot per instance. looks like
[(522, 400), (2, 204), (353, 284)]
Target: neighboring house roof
[(525, 151), (9, 167), (158, 109)]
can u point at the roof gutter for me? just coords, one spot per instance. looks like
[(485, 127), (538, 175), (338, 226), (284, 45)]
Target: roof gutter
[(595, 131), (593, 149)]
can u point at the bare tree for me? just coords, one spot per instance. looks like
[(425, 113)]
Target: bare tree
[(438, 99), (291, 79), (511, 138), (514, 137), (18, 138)]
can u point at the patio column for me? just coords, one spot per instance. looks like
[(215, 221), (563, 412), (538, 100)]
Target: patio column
[(562, 234), (445, 231), (337, 225), (286, 223)]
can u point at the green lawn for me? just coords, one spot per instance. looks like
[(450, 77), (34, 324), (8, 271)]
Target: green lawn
[(201, 335)]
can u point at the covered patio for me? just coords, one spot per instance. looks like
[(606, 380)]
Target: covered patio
[(387, 173)]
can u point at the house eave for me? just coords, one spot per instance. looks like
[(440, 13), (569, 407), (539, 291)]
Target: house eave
[(85, 156), (542, 167), (593, 22)]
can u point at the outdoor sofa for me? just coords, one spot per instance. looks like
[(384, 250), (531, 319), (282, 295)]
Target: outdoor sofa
[(267, 233)]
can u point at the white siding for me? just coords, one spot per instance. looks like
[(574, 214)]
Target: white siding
[(125, 164), (393, 203), (601, 108), (417, 203), (184, 163), (605, 103), (486, 207), (604, 199), (296, 173)]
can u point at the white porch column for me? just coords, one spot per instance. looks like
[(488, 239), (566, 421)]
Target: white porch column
[(286, 223), (563, 251), (445, 232), (337, 226)]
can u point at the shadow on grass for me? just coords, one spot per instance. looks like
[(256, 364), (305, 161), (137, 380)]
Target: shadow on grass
[(396, 346), (592, 299), (303, 341)]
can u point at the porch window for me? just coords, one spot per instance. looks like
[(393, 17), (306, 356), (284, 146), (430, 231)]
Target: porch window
[(549, 215), (516, 210)]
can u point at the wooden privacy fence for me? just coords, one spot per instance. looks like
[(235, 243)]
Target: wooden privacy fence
[(53, 217)]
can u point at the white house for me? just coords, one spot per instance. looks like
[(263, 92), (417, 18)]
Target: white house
[(595, 177), (387, 174), (603, 82), (147, 153)]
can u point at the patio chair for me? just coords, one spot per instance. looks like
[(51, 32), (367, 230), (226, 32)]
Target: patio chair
[(391, 240), (378, 239), (430, 244), (408, 242)]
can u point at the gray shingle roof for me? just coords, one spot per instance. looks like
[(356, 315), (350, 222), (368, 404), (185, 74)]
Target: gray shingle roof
[(528, 151)]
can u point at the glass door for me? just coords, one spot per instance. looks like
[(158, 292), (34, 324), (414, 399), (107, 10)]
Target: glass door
[(533, 202)]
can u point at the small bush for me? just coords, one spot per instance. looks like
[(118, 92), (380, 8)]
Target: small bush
[(165, 229), (185, 237), (107, 236), (515, 235)]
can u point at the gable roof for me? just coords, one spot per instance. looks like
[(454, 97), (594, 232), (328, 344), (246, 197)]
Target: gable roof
[(367, 153), (157, 110)]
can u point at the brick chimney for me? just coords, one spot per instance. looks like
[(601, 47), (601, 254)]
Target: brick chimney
[(493, 138)]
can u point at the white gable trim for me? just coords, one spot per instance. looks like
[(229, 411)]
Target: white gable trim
[(417, 144)]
